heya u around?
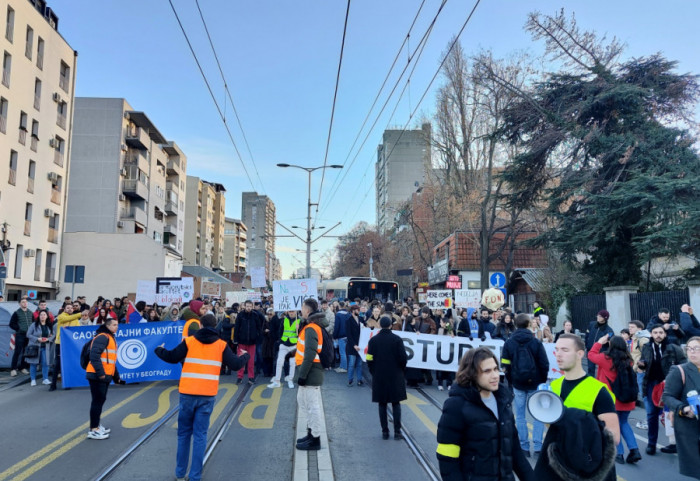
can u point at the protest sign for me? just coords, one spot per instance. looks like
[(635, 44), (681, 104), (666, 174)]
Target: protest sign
[(290, 295), (468, 298), (241, 296), (439, 299), (257, 277), (493, 298), (136, 359), (165, 290), (210, 289)]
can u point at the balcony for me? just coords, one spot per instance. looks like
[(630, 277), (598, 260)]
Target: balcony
[(171, 208), (138, 159), (53, 235), (6, 78), (22, 136), (56, 196), (138, 138), (37, 102), (30, 185), (170, 229), (135, 188), (135, 214), (173, 187), (13, 177), (61, 121), (27, 227), (58, 158), (173, 166)]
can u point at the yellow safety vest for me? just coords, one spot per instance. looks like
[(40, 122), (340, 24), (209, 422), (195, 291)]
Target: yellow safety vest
[(290, 330), (583, 396)]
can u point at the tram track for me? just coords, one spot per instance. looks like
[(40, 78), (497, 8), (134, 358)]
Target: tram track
[(213, 441)]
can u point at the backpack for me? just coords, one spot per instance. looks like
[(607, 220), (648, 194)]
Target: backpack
[(523, 366), (625, 386), (327, 351), (85, 353)]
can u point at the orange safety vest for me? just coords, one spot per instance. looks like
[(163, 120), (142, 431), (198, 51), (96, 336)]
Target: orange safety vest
[(301, 343), (186, 329), (108, 356), (200, 372)]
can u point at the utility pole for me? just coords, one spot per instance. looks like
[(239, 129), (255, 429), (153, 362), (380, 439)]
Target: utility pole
[(4, 246), (371, 260)]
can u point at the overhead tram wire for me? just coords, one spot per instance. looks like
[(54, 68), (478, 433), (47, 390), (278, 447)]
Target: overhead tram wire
[(228, 93), (211, 93), (419, 48), (335, 97), (381, 89), (454, 42)]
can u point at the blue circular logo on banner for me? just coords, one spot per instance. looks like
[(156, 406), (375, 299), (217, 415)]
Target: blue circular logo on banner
[(131, 353)]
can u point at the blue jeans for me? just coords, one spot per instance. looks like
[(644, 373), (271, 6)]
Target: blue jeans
[(342, 342), (354, 366), (653, 413), (640, 380), (521, 422), (626, 432), (192, 422), (44, 366)]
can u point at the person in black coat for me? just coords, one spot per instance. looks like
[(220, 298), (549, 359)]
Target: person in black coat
[(352, 329), (386, 359), (476, 436)]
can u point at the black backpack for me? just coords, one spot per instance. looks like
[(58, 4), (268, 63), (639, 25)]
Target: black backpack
[(625, 386), (85, 353), (523, 366), (327, 351)]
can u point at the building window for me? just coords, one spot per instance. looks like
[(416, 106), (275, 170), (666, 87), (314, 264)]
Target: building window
[(37, 265), (13, 168), (62, 114), (40, 53), (19, 255), (30, 177), (50, 272), (6, 68), (4, 106), (29, 47), (63, 80), (34, 141), (28, 219), (37, 94), (23, 119), (10, 26)]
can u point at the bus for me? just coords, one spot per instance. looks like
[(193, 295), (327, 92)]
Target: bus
[(362, 287)]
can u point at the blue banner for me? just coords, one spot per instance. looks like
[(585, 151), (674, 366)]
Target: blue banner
[(136, 359)]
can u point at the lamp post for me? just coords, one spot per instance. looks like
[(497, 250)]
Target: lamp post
[(309, 170), (371, 260)]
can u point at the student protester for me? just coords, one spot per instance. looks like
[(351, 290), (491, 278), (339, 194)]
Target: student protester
[(340, 336), (330, 316), (680, 383), (373, 320), (476, 436), (505, 327), (674, 333), (65, 319), (596, 330), (248, 329), (446, 329), (19, 322), (485, 322), (639, 337), (171, 314), (43, 307), (617, 359), (689, 323), (203, 353), (288, 344), (352, 328), (526, 366), (100, 372), (386, 359), (41, 336), (568, 329), (85, 318)]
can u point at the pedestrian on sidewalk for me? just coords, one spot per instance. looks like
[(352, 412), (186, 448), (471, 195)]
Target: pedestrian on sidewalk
[(19, 322), (203, 353), (386, 359), (41, 336)]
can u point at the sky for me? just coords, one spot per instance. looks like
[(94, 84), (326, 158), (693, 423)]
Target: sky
[(280, 60)]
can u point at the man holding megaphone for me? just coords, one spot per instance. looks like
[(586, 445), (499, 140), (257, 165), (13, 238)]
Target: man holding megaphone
[(582, 443)]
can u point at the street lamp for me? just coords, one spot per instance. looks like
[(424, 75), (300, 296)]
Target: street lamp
[(309, 204), (371, 260)]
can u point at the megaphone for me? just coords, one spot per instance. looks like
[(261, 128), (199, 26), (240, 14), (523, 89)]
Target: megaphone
[(545, 406)]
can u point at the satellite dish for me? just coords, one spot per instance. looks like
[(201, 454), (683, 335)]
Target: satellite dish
[(545, 406)]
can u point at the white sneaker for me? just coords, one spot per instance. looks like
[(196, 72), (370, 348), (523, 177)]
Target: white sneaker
[(440, 388), (449, 387), (97, 435), (104, 430), (642, 425), (13, 373), (33, 382), (24, 371), (273, 385), (46, 381), (290, 384), (340, 369)]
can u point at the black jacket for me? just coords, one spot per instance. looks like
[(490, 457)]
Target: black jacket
[(503, 330), (248, 328), (352, 330), (527, 338), (489, 447), (206, 335), (99, 344), (595, 332), (674, 336), (671, 355), (386, 359)]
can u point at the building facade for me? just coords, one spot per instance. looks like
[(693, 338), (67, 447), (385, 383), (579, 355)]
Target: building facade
[(258, 213), (235, 249), (403, 158), (126, 200), (205, 218), (37, 92)]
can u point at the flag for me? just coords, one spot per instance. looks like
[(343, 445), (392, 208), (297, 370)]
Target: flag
[(132, 315)]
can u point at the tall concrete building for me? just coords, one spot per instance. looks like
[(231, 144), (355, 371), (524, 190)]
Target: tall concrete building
[(126, 199), (259, 215), (205, 219), (235, 249), (403, 158), (37, 92)]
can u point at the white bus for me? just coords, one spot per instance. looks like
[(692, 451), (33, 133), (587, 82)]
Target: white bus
[(358, 287)]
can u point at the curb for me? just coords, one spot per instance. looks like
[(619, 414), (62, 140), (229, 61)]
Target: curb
[(300, 462)]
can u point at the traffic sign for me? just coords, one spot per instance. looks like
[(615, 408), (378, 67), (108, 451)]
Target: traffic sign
[(497, 279)]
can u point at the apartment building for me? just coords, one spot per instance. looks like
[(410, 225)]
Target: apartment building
[(205, 218), (260, 216), (125, 219), (235, 251), (37, 89), (403, 158)]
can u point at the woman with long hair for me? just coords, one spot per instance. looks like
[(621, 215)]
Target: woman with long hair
[(505, 327), (102, 317), (41, 335), (477, 438), (615, 360)]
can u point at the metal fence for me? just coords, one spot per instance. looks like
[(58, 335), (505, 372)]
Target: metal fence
[(645, 305), (584, 309)]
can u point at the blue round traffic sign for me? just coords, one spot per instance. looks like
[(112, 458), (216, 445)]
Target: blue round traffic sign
[(497, 279)]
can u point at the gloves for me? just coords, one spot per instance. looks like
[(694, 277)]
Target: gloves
[(301, 381)]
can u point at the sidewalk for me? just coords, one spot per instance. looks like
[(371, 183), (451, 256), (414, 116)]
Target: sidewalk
[(8, 382)]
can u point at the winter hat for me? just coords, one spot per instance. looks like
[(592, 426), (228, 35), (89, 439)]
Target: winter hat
[(195, 306), (604, 314), (385, 322)]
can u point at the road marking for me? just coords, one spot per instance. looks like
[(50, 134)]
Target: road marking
[(271, 404), (136, 420), (42, 458), (221, 403), (413, 402)]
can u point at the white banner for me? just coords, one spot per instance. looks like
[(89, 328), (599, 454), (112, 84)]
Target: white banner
[(171, 290), (468, 298), (439, 299), (240, 297), (290, 295), (554, 371), (210, 289), (257, 277)]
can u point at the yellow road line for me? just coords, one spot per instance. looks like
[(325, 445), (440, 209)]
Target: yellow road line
[(44, 456)]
